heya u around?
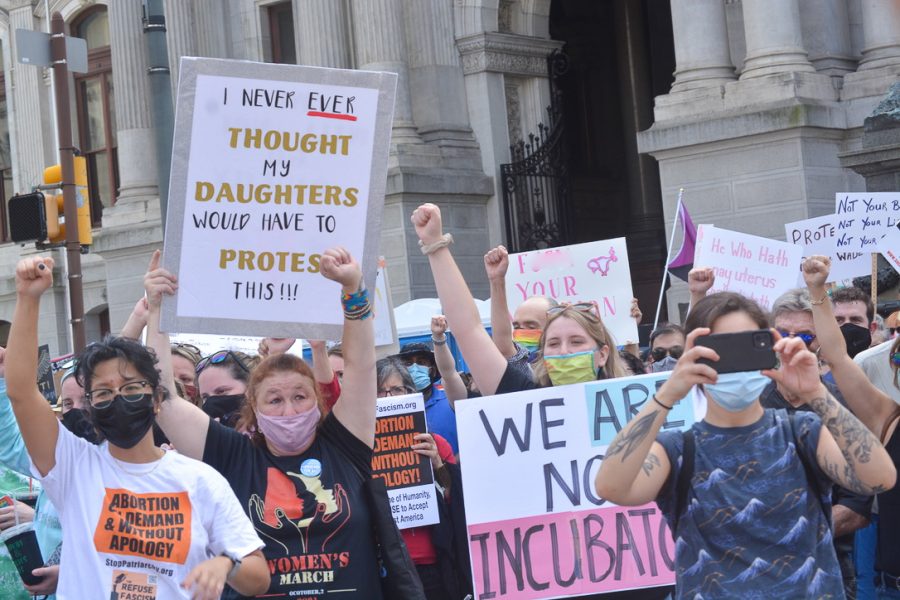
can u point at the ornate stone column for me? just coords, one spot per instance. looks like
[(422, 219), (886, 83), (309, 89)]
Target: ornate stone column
[(702, 56), (322, 33), (435, 75), (27, 100), (134, 126), (881, 32), (380, 46), (774, 39), (826, 34), (209, 27), (179, 34)]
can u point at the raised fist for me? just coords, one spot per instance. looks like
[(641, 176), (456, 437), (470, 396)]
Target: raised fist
[(496, 263), (34, 276), (427, 221), (337, 265)]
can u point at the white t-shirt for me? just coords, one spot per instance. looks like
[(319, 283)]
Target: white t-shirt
[(876, 363), (140, 528)]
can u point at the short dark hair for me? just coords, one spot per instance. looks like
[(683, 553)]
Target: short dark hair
[(633, 363), (853, 294), (126, 349), (714, 306), (663, 329)]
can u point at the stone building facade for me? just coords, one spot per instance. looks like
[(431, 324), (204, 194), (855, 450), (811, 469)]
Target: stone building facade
[(745, 103)]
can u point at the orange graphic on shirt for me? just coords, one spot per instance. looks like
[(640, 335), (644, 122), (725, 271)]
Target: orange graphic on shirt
[(154, 526), (281, 493)]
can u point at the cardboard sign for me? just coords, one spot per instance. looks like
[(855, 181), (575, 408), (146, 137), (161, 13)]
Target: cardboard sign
[(271, 166), (596, 271), (383, 308), (45, 381), (826, 235), (536, 527), (407, 474), (865, 220), (757, 267)]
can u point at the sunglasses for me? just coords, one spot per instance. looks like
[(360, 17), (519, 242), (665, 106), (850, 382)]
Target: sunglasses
[(659, 354), (806, 337), (589, 309), (188, 351), (219, 358)]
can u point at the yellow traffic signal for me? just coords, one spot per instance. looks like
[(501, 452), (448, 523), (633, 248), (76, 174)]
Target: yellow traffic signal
[(56, 227)]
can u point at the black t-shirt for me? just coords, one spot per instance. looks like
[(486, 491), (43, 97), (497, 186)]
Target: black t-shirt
[(515, 380), (308, 509)]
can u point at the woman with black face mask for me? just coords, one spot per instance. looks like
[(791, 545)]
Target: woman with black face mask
[(133, 514)]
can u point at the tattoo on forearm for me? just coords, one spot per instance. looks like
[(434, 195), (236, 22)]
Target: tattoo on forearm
[(651, 462), (853, 438), (628, 440)]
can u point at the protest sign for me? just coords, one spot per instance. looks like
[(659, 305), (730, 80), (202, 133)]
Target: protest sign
[(271, 166), (383, 307), (407, 474), (208, 344), (756, 267), (890, 247), (822, 235), (595, 271), (866, 218), (536, 527), (45, 381)]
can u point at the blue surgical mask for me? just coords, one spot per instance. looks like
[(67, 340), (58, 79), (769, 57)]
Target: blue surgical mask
[(421, 376), (666, 364), (736, 391)]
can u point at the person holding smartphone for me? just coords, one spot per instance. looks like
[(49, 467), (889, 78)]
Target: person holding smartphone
[(745, 490)]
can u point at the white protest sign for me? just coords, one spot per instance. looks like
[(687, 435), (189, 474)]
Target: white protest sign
[(271, 166), (890, 247), (408, 475), (865, 219), (208, 344), (529, 461), (756, 267), (595, 271), (820, 235), (383, 308)]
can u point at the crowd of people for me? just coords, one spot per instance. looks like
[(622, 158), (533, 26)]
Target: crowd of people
[(169, 474)]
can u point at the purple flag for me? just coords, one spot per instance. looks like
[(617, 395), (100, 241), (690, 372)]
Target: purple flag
[(683, 262)]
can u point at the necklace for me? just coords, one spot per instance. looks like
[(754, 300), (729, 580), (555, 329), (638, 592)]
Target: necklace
[(119, 465)]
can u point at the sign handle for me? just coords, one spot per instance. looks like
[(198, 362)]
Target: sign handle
[(874, 286)]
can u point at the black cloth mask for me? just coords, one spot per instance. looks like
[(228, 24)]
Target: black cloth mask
[(78, 422), (124, 423), (856, 337), (225, 408)]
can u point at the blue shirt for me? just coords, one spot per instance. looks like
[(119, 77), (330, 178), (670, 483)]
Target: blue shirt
[(441, 417), (752, 526)]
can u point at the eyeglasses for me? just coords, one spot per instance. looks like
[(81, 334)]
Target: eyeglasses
[(659, 354), (589, 309), (188, 351), (397, 390), (806, 337), (130, 392), (220, 357)]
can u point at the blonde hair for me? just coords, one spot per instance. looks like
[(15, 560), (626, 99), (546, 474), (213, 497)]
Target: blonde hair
[(595, 329)]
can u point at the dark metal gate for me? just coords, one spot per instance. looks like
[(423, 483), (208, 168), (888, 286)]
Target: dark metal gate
[(536, 184)]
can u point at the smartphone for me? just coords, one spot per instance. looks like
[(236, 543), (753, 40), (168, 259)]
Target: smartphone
[(743, 351)]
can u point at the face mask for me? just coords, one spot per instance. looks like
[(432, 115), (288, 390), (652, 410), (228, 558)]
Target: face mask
[(529, 339), (736, 391), (289, 435), (192, 393), (571, 368), (666, 364), (78, 422), (857, 338), (421, 376), (219, 406), (125, 423)]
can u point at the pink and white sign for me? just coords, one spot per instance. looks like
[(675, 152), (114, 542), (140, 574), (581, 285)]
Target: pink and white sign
[(754, 266), (536, 528), (595, 271)]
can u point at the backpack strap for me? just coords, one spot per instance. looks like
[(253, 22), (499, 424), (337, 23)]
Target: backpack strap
[(683, 484), (811, 478)]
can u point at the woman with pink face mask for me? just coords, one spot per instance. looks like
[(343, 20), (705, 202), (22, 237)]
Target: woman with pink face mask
[(299, 471)]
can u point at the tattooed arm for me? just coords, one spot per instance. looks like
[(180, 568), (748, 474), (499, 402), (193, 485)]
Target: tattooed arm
[(636, 466), (847, 452)]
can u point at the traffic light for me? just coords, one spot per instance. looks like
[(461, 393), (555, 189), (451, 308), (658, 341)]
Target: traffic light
[(55, 212), (28, 217)]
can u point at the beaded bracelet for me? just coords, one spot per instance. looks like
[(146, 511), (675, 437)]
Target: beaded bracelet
[(822, 301), (438, 342), (356, 305)]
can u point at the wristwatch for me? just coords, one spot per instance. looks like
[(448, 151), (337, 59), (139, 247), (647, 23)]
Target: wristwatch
[(236, 564)]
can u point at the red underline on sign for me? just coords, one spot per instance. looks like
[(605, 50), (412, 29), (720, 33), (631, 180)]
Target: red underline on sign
[(314, 113)]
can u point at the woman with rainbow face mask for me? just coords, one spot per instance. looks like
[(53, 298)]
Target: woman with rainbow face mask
[(574, 345)]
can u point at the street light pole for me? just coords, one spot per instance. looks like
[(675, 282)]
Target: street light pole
[(161, 96)]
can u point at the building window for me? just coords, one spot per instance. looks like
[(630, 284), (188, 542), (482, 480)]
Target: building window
[(94, 94), (281, 30)]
